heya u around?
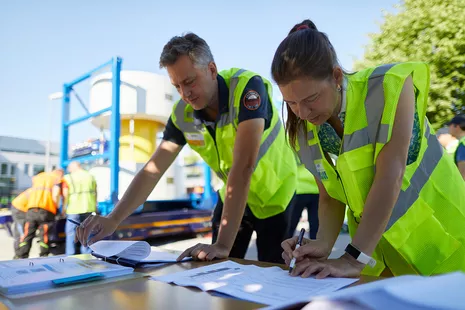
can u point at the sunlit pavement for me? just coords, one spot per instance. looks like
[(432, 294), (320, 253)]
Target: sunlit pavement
[(7, 252)]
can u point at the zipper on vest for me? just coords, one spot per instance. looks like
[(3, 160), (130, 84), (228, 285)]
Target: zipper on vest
[(344, 190)]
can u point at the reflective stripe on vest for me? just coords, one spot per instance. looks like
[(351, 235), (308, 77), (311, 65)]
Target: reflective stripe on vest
[(374, 105), (430, 159)]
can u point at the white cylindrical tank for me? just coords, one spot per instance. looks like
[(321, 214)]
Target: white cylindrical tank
[(146, 102)]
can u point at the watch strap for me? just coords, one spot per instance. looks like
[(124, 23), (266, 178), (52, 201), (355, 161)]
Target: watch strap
[(360, 256)]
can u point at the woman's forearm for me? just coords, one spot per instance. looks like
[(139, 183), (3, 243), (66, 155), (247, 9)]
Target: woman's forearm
[(331, 217)]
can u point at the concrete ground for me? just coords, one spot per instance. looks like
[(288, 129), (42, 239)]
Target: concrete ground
[(7, 252)]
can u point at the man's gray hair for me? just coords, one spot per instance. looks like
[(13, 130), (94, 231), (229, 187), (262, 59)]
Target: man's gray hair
[(189, 44)]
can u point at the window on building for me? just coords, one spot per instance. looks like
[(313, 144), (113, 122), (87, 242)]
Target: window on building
[(38, 168), (4, 169), (26, 169), (13, 170)]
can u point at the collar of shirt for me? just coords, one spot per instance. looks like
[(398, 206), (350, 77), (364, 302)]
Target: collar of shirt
[(223, 91)]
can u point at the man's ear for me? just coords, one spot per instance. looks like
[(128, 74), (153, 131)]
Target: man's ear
[(213, 70)]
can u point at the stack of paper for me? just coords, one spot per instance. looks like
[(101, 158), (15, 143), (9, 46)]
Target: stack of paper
[(31, 275), (400, 293), (132, 253), (269, 286)]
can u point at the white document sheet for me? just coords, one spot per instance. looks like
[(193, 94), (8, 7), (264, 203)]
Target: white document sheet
[(157, 256), (39, 261), (400, 293), (269, 286), (135, 253), (133, 250)]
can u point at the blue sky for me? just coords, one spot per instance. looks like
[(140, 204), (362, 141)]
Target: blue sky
[(46, 43)]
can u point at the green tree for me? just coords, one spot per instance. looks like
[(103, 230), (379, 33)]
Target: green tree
[(431, 31)]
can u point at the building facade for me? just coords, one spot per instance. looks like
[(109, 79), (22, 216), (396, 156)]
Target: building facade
[(20, 159)]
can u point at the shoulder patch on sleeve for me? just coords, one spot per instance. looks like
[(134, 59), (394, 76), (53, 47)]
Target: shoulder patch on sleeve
[(252, 100)]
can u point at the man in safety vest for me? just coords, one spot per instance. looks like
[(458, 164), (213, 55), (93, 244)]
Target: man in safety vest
[(457, 130), (79, 190), (229, 119), (306, 198), (18, 213), (41, 210)]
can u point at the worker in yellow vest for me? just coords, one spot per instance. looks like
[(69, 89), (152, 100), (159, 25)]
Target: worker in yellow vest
[(457, 130), (79, 190), (405, 197), (306, 198), (18, 213), (229, 119), (42, 207)]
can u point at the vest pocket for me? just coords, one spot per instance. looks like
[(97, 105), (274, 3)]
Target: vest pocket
[(265, 182), (421, 238), (357, 171)]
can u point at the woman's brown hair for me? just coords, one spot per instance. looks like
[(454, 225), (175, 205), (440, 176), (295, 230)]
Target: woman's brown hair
[(305, 52)]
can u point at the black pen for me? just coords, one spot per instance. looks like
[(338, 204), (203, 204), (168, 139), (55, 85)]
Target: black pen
[(299, 243)]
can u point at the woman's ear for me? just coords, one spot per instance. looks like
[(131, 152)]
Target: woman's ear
[(338, 75)]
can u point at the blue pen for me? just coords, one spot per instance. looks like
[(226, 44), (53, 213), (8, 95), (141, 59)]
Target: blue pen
[(74, 222)]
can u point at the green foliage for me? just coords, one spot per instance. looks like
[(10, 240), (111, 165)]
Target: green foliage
[(432, 31)]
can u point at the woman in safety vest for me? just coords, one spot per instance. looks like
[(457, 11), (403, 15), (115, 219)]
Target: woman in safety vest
[(405, 197)]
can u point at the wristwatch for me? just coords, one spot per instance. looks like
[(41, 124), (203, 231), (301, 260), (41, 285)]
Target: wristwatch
[(360, 256)]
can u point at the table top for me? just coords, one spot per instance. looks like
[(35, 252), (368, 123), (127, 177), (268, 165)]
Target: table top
[(140, 293)]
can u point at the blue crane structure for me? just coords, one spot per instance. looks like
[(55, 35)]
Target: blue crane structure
[(152, 219)]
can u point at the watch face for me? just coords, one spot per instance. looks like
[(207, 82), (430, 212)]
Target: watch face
[(352, 251)]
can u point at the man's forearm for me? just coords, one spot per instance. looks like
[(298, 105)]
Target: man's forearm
[(145, 180), (331, 217), (136, 194), (237, 189)]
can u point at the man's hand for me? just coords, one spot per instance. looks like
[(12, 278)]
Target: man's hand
[(205, 252)]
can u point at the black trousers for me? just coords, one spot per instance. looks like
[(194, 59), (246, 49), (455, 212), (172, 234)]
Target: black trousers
[(270, 233), (36, 218), (309, 201), (19, 218)]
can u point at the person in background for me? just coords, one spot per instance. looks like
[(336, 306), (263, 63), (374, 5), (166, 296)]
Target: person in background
[(405, 197), (18, 213), (42, 207), (79, 190), (457, 130), (449, 143), (229, 119), (306, 198)]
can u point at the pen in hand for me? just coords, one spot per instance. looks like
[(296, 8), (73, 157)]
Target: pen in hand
[(79, 224), (299, 243)]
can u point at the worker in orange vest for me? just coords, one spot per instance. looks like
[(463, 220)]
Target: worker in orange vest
[(18, 213), (42, 207)]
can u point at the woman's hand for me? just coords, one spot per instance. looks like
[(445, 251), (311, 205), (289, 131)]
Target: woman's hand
[(344, 267), (312, 249)]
